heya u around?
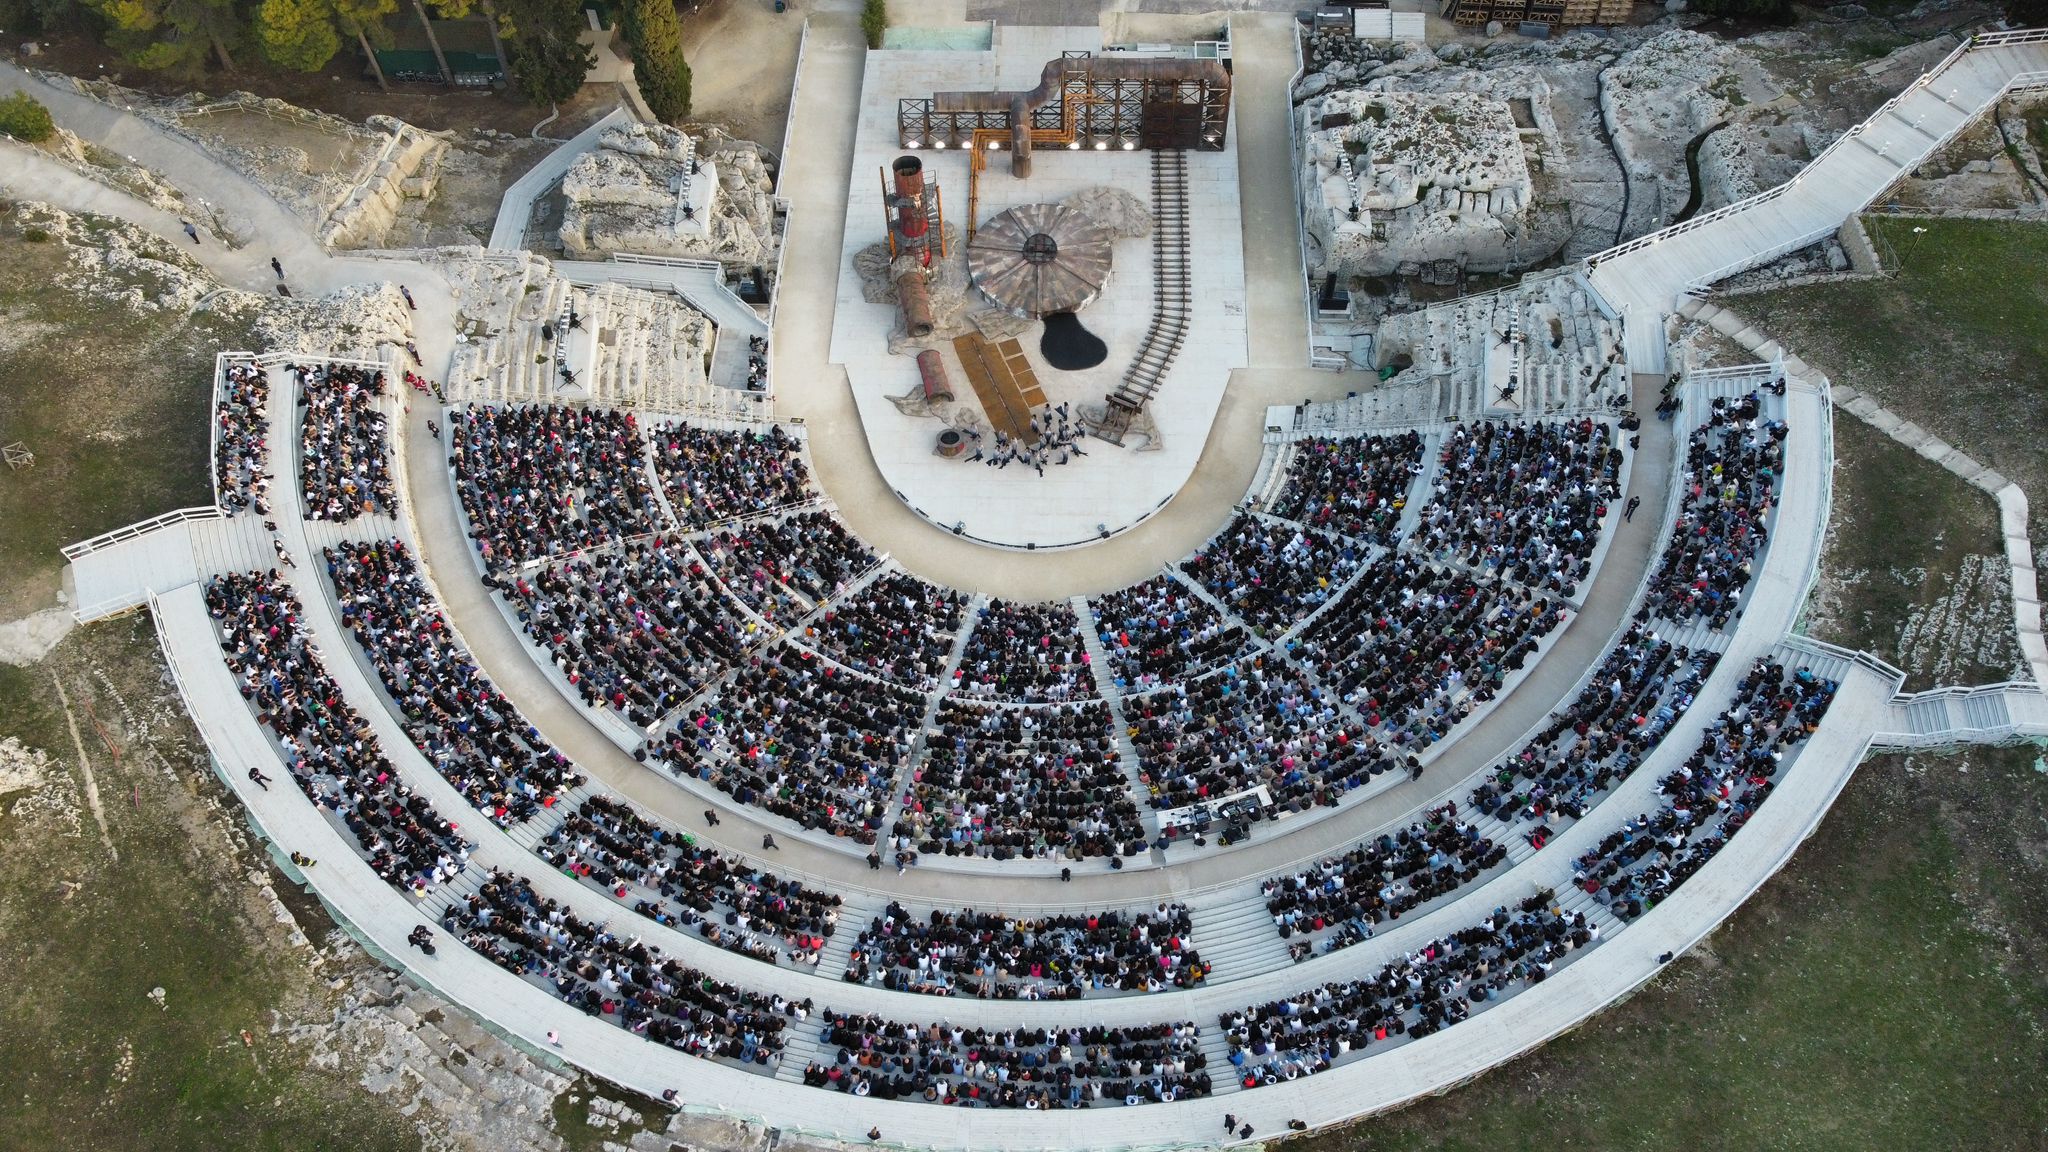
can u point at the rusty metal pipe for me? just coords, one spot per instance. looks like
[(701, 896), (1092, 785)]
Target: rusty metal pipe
[(914, 296)]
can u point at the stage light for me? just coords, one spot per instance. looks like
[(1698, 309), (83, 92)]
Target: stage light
[(1101, 144), (1128, 145), (939, 144), (995, 145), (1073, 144)]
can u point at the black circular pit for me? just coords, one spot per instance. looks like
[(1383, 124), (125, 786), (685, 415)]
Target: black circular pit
[(1040, 248), (1068, 346)]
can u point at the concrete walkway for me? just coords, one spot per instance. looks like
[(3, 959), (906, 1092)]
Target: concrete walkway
[(1644, 277)]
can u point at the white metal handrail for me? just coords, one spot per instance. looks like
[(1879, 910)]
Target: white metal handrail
[(138, 530), (1975, 43)]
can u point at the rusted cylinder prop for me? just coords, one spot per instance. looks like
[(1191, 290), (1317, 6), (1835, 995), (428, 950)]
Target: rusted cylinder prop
[(1020, 139), (931, 372), (951, 444), (915, 298), (910, 219)]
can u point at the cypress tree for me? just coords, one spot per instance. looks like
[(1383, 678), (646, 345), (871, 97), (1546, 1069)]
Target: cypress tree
[(656, 35)]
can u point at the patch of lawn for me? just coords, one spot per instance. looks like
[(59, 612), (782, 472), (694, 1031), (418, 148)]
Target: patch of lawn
[(1884, 991), (87, 1059), (113, 403), (1956, 342), (1914, 568)]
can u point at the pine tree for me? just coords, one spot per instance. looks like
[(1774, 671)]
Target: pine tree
[(172, 35), (364, 20), (656, 35), (549, 61), (297, 34)]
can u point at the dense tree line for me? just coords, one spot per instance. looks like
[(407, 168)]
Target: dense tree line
[(535, 41)]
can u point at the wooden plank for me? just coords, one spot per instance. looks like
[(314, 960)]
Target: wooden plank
[(996, 388)]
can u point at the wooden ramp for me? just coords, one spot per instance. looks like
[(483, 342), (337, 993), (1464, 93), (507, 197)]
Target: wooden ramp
[(1004, 382)]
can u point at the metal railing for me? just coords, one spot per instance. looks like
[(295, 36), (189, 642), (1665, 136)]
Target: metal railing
[(138, 530), (1976, 43)]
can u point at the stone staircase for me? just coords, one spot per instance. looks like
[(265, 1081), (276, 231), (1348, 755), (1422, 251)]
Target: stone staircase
[(1236, 937)]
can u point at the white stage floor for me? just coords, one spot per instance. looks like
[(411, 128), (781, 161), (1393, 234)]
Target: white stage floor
[(1110, 489)]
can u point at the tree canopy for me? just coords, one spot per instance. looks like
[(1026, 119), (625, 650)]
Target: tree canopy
[(663, 74)]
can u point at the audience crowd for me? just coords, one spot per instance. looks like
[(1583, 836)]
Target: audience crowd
[(1424, 991), (1379, 880), (464, 728), (1002, 783), (1712, 795), (329, 749), (1356, 486), (898, 628), (999, 957), (1025, 652), (623, 981), (710, 475), (1416, 647), (638, 629), (548, 479), (1159, 632), (784, 569), (1033, 1068), (344, 444), (1273, 574), (1255, 723), (608, 844), (241, 440), (1631, 700), (1523, 501), (793, 735), (1732, 463)]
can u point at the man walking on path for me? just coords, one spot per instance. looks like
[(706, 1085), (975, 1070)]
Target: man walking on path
[(277, 268), (1629, 513), (190, 230)]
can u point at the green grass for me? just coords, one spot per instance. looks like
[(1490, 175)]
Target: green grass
[(1885, 991), (1957, 342), (1909, 537), (89, 1060), (113, 404)]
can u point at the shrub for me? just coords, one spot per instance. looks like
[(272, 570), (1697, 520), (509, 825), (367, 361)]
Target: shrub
[(874, 20), (23, 118)]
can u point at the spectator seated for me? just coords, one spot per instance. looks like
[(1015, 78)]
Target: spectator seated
[(344, 444), (1159, 632), (669, 879), (782, 570), (998, 957), (624, 981), (1710, 797), (795, 736), (1732, 464), (1033, 1068), (1632, 699), (1356, 486), (1272, 575), (1415, 647), (544, 480), (638, 630), (1380, 879), (711, 476), (241, 450), (470, 734), (898, 629), (329, 749), (1255, 723), (1523, 501), (1425, 991), (1025, 652), (1002, 783)]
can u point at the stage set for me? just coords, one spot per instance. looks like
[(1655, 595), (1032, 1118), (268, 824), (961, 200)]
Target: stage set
[(1042, 293)]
